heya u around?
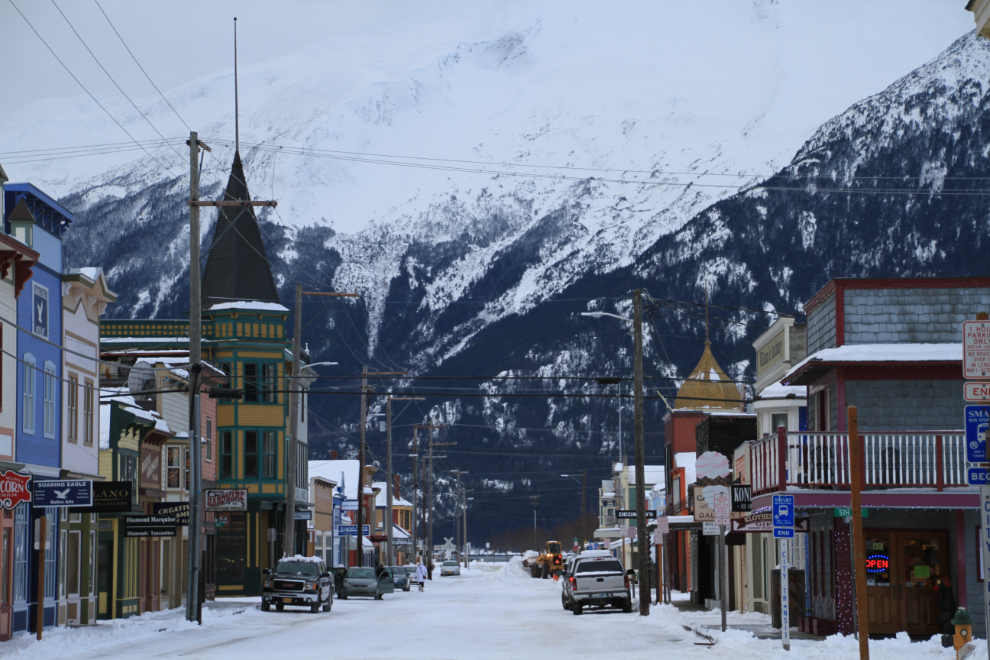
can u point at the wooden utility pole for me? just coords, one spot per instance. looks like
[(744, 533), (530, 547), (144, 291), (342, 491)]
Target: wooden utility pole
[(535, 499), (643, 541), (584, 515), (859, 545), (467, 546), (415, 520), (462, 536), (42, 546), (390, 480), (289, 533), (429, 497)]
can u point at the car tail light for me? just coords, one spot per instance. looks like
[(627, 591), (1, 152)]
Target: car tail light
[(626, 578), (574, 586)]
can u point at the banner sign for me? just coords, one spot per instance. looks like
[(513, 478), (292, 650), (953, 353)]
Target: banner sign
[(110, 497), (14, 488), (226, 499), (63, 493), (178, 510), (149, 526)]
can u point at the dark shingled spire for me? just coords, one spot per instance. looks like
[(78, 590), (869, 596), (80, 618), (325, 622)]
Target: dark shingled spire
[(237, 268)]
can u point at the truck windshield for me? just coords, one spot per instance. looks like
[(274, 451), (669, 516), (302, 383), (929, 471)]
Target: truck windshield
[(554, 548), (607, 565), (309, 568)]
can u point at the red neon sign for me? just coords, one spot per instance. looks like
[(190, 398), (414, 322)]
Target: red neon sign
[(877, 564)]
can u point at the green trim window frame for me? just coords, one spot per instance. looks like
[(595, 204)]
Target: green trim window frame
[(226, 454), (209, 439), (252, 466), (268, 464), (260, 382)]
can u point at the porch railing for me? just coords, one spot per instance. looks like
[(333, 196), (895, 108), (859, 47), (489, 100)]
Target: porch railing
[(889, 459)]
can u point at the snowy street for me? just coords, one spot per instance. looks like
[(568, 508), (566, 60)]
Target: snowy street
[(487, 612)]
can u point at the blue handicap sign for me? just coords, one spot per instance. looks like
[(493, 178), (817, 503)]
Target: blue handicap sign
[(977, 476), (64, 492), (783, 532), (977, 419), (783, 511)]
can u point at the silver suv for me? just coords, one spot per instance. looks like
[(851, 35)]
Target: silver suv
[(595, 578)]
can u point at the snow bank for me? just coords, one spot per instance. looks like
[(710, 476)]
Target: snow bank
[(513, 570)]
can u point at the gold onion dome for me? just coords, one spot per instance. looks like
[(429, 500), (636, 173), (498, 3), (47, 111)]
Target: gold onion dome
[(708, 388)]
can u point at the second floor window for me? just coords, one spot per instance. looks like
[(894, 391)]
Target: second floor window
[(259, 382), (50, 385), (209, 439), (73, 405), (176, 468), (88, 414), (29, 384), (251, 463), (226, 454), (269, 458)]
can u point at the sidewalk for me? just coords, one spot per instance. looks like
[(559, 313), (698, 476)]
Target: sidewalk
[(753, 622)]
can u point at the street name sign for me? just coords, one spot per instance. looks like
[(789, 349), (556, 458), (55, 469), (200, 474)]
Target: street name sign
[(976, 420), (846, 512), (976, 349), (349, 505), (351, 530), (631, 513)]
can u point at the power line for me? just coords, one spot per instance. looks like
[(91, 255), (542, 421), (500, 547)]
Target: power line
[(69, 71)]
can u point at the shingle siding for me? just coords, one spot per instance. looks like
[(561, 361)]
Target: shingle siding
[(909, 405), (821, 326), (916, 315)]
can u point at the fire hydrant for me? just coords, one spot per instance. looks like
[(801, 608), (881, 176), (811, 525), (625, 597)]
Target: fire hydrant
[(964, 629)]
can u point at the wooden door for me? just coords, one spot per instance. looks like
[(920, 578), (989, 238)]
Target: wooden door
[(884, 609), (922, 561)]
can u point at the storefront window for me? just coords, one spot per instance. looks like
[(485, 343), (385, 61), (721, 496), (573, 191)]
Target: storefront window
[(21, 540), (4, 567), (921, 562), (877, 562)]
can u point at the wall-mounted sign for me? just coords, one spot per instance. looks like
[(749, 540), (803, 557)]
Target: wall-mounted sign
[(631, 513), (110, 497), (351, 530), (879, 563), (39, 310), (63, 492), (178, 510), (304, 515), (742, 497), (151, 467), (771, 353), (14, 488), (227, 499), (762, 523), (976, 349), (149, 526)]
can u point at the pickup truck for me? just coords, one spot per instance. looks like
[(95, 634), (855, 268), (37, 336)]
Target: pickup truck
[(595, 578)]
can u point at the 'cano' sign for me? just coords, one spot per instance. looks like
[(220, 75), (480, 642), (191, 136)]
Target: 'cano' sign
[(14, 488)]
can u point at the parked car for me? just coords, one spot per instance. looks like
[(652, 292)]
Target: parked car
[(450, 568), (363, 582), (595, 578), (297, 581), (400, 576)]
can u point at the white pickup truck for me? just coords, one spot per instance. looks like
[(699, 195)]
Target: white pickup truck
[(595, 577)]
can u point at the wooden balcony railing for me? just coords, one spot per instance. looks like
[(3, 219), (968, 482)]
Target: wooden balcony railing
[(889, 459)]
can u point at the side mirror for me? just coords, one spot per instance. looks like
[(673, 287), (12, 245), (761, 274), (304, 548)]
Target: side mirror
[(266, 571)]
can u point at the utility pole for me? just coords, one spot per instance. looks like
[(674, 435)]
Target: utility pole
[(415, 521), (289, 535), (584, 516), (360, 483), (429, 497), (462, 538), (536, 504), (642, 537), (467, 546), (391, 485)]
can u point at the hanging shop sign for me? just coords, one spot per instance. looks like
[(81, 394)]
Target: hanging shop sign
[(227, 499), (14, 488), (178, 510), (110, 497), (742, 497), (149, 526), (63, 493), (762, 523)]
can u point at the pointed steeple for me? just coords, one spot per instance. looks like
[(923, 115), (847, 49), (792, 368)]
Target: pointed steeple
[(708, 388), (237, 268)]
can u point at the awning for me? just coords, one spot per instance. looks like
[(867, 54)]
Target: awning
[(608, 533)]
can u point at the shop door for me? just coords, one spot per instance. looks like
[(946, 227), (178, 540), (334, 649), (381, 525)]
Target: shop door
[(923, 561), (104, 579), (881, 591)]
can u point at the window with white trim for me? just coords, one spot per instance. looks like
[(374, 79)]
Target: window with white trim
[(28, 397), (49, 409)]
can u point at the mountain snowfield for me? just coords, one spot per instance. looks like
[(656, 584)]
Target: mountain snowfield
[(480, 182)]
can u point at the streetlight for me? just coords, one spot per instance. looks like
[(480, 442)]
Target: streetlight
[(641, 534), (584, 517)]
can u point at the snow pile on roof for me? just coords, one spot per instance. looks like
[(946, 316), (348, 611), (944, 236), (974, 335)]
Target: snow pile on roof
[(122, 396), (652, 474), (249, 304), (778, 391), (883, 353)]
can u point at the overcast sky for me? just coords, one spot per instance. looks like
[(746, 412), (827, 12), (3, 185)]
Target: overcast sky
[(178, 40)]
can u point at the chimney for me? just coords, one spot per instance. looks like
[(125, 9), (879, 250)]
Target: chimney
[(333, 455)]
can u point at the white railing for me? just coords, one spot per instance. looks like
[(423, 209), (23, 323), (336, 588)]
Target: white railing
[(889, 459)]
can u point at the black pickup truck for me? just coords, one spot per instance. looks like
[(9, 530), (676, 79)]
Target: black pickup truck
[(297, 581)]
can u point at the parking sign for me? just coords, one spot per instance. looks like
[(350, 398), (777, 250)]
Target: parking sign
[(977, 421)]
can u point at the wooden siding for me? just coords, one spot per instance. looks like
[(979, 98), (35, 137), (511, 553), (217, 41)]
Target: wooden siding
[(260, 415)]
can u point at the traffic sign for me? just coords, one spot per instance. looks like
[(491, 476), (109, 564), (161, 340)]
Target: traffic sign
[(709, 529), (976, 422), (976, 349), (978, 476), (977, 391), (783, 513), (783, 532), (663, 525), (351, 530)]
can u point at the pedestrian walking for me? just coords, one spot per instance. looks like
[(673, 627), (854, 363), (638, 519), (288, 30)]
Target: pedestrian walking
[(421, 575)]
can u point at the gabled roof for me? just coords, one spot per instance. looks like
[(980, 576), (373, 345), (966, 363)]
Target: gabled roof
[(238, 267), (3, 175)]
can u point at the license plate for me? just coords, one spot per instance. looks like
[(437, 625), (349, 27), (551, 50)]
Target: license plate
[(600, 596), (286, 600)]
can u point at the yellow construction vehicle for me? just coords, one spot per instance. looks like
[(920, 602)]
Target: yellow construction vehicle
[(548, 563)]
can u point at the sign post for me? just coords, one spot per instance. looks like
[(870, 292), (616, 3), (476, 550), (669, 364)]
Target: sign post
[(783, 529), (723, 517), (42, 523)]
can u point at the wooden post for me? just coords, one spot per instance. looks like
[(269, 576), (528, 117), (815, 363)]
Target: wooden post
[(939, 465), (859, 553), (781, 458), (42, 530)]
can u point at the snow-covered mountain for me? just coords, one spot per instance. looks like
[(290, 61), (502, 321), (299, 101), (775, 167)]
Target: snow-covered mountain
[(537, 172)]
